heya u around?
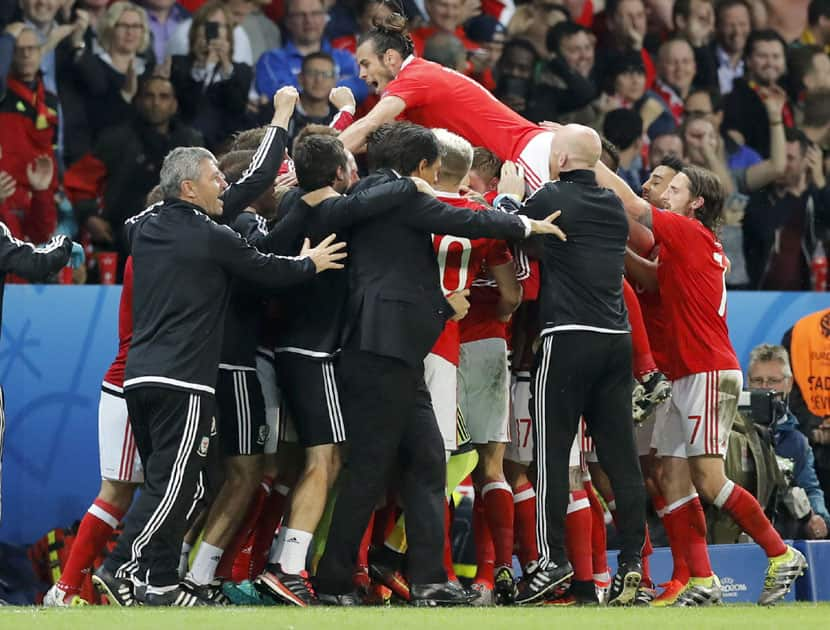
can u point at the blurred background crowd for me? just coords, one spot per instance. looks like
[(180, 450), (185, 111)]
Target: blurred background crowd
[(93, 94)]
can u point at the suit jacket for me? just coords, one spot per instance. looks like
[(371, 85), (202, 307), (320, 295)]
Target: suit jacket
[(396, 307)]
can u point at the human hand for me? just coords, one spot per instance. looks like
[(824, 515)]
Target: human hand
[(285, 100), (77, 257), (815, 165), (56, 36), (546, 226), (701, 24), (341, 97), (815, 528), (7, 186), (286, 180), (326, 254), (774, 98), (79, 27), (549, 125), (15, 28), (460, 304), (512, 180), (469, 8), (40, 172), (99, 229), (163, 69)]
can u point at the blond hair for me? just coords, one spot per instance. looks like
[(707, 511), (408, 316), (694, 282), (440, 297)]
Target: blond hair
[(456, 155), (106, 27)]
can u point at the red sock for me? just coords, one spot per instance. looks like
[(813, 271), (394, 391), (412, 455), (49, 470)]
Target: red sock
[(691, 532), (498, 507), (228, 566), (385, 519), (95, 530), (485, 554), (524, 523), (599, 541), (746, 512), (647, 551), (677, 543), (448, 567), (363, 550), (578, 536), (270, 517), (642, 357)]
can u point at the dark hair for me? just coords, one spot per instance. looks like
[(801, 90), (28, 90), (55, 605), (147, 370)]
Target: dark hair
[(704, 183), (201, 18), (673, 162), (796, 135), (799, 62), (234, 163), (521, 44), (316, 160), (556, 34), (315, 56), (817, 108), (315, 129), (763, 35), (681, 8), (486, 163), (143, 82), (714, 96), (249, 138), (623, 127), (401, 146), (818, 9), (613, 152), (445, 49), (723, 5), (390, 32)]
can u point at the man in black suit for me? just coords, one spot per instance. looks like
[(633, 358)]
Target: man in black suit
[(396, 310)]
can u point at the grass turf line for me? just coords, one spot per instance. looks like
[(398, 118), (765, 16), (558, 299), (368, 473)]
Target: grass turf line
[(733, 617)]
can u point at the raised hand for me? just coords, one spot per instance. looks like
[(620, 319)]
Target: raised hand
[(7, 186), (512, 180), (285, 100), (342, 97), (326, 254), (40, 172)]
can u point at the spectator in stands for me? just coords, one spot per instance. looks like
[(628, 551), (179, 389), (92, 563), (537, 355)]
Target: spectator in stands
[(624, 128), (533, 20), (626, 84), (319, 100), (446, 49), (488, 34), (676, 71), (514, 74), (123, 33), (130, 156), (662, 145), (818, 30), (180, 42), (816, 124), (744, 114), (305, 21), (29, 124), (445, 16), (694, 21), (366, 11), (211, 89), (809, 70), (626, 21), (705, 147), (769, 369), (783, 219), (262, 33), (733, 23), (164, 17), (566, 87)]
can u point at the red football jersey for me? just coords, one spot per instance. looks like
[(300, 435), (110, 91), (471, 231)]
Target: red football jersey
[(115, 375), (437, 97), (692, 279), (459, 261), (655, 320)]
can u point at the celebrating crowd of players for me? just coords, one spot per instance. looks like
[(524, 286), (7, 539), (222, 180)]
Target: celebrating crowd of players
[(299, 410)]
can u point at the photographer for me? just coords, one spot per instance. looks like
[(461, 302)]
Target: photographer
[(769, 370)]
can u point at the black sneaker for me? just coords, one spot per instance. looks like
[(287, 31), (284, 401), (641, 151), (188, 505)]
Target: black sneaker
[(347, 599), (179, 597), (505, 590), (441, 594), (625, 584), (211, 593), (542, 581), (292, 589), (116, 591)]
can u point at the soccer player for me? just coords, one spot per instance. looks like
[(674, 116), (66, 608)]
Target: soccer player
[(692, 440), (436, 97)]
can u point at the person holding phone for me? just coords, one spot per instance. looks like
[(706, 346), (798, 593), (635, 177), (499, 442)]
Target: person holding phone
[(212, 89)]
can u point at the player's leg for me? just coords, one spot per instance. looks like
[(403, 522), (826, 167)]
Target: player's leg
[(707, 450)]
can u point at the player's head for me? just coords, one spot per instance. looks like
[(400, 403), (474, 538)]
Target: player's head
[(382, 51), (407, 148), (659, 179), (321, 161), (485, 170), (697, 193), (191, 174), (574, 147), (456, 160), (314, 129)]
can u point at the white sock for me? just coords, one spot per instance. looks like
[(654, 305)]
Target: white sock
[(294, 550), (205, 563)]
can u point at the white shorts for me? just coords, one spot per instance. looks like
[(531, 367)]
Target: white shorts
[(535, 159), (272, 396), (520, 449), (116, 443), (441, 378), (661, 418), (644, 433), (484, 390), (702, 411), (583, 451)]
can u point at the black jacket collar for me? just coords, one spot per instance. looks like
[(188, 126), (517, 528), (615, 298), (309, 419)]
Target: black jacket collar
[(579, 176)]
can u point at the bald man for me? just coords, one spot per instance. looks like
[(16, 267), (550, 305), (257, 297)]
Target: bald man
[(583, 367)]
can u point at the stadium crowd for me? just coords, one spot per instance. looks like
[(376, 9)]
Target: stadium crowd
[(709, 121)]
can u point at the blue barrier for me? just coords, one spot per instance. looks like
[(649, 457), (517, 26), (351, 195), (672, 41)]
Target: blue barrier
[(815, 585), (56, 344)]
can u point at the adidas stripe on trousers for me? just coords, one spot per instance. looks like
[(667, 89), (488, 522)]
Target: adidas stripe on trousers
[(172, 432), (584, 373)]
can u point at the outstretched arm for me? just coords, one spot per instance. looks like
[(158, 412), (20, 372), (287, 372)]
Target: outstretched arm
[(389, 108), (637, 208), (641, 271)]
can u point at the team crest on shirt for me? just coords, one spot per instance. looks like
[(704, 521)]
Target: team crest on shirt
[(263, 434), (203, 446)]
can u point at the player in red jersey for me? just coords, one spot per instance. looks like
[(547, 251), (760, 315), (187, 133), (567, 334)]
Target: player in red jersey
[(426, 93), (707, 381), (121, 470)]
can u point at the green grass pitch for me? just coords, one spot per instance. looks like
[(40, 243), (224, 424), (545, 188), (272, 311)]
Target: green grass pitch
[(733, 617)]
